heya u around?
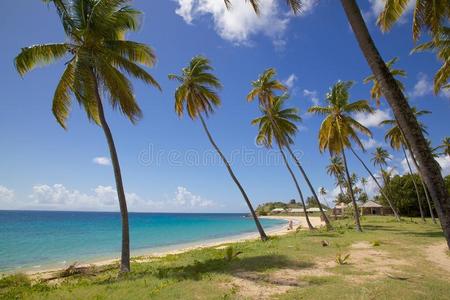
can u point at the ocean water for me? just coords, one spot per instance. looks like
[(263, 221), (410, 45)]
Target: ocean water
[(39, 239)]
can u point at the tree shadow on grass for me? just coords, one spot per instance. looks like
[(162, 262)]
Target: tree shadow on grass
[(262, 263)]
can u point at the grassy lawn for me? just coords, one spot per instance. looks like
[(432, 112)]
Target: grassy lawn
[(387, 261)]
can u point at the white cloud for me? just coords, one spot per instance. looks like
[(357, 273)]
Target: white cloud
[(423, 86), (370, 143), (240, 23), (312, 96), (372, 120), (101, 160), (290, 81), (444, 162), (185, 198), (6, 195)]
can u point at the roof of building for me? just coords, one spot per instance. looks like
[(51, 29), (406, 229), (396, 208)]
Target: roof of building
[(278, 209), (313, 209), (371, 204), (296, 210), (341, 205)]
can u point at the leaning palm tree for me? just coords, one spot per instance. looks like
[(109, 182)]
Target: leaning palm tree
[(97, 54), (277, 124), (401, 109), (397, 140), (264, 88), (338, 129), (375, 92), (197, 95)]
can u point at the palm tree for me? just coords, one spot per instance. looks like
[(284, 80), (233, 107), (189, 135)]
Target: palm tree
[(197, 94), (277, 123), (336, 169), (397, 140), (264, 88), (364, 184), (428, 15), (375, 92), (394, 211), (338, 128), (322, 191), (98, 54), (445, 146), (441, 45), (380, 157), (401, 109)]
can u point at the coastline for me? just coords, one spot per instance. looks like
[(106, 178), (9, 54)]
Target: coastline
[(147, 254)]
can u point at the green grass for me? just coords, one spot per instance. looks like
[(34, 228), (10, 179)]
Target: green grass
[(207, 274)]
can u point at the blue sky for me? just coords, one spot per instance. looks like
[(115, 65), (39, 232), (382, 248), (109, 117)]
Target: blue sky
[(45, 167)]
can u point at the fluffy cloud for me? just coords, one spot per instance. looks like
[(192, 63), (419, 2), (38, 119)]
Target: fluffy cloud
[(423, 86), (312, 96), (6, 195), (102, 161), (370, 143), (185, 198), (240, 23), (444, 162), (372, 120), (290, 81)]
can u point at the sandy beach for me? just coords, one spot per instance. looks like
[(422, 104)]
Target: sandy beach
[(145, 255)]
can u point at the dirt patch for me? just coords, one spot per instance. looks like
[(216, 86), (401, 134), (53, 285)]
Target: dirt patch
[(438, 254)]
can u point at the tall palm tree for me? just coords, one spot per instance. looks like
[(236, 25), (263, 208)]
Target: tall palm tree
[(380, 157), (364, 184), (322, 191), (401, 109), (197, 95), (428, 15), (336, 169), (375, 92), (440, 44), (385, 196), (397, 140), (277, 124), (97, 55), (338, 129), (265, 88), (444, 147)]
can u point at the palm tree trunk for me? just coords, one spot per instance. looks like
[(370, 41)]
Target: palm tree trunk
[(423, 186), (405, 117), (262, 234), (352, 195), (377, 183), (298, 188), (415, 185), (308, 182), (125, 258)]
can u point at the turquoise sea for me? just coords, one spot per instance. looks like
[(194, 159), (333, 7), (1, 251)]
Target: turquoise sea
[(34, 240)]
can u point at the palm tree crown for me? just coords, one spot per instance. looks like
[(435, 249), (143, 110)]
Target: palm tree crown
[(277, 123), (295, 5), (375, 92), (339, 128), (336, 167), (98, 54), (444, 147), (196, 92), (265, 86), (380, 157)]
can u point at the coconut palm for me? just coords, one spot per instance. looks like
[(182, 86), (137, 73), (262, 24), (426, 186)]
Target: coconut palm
[(197, 95), (339, 129), (440, 44), (322, 191), (428, 15), (380, 157), (364, 184), (401, 109), (97, 56), (444, 147), (265, 88), (336, 169), (397, 140), (375, 92), (277, 124)]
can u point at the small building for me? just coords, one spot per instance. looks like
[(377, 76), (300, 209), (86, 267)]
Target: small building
[(372, 208), (312, 210), (339, 208), (278, 210), (296, 210)]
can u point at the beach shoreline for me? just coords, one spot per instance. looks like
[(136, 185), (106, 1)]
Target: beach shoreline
[(145, 254)]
